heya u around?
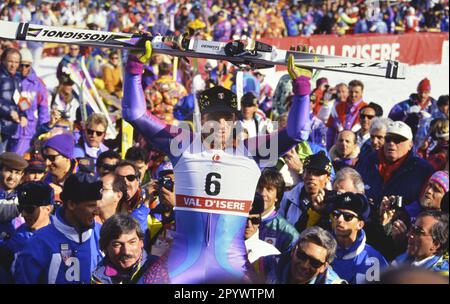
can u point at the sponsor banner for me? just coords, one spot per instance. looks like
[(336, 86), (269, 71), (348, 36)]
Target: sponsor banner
[(213, 205), (413, 48)]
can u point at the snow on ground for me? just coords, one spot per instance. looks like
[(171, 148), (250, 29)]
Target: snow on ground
[(385, 92)]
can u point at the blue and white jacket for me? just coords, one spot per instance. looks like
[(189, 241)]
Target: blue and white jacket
[(358, 263), (438, 263), (59, 254)]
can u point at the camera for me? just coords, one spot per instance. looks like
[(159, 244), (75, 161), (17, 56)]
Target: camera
[(166, 182), (397, 203)]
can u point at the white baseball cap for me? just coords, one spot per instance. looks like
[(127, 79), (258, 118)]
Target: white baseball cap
[(26, 55), (400, 128)]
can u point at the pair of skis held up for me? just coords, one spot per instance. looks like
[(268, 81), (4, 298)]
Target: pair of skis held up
[(251, 53)]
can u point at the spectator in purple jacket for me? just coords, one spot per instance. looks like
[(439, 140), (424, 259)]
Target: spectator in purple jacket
[(34, 99)]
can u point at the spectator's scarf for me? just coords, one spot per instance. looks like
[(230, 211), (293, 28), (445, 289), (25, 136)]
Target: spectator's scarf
[(387, 169)]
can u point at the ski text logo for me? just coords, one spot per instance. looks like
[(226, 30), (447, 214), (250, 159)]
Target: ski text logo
[(75, 35)]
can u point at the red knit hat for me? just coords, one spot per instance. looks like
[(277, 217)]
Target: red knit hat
[(424, 85)]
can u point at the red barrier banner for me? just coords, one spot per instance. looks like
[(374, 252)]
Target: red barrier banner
[(413, 49)]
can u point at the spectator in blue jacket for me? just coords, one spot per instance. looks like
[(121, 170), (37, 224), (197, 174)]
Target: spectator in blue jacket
[(33, 102), (67, 250), (35, 205), (125, 261), (309, 262), (427, 243), (356, 261), (10, 88), (394, 170), (274, 229)]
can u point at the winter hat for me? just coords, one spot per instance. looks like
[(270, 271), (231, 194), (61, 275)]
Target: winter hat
[(63, 143), (166, 167), (35, 166), (82, 187), (441, 178), (355, 202), (25, 55), (424, 85), (35, 193), (319, 162)]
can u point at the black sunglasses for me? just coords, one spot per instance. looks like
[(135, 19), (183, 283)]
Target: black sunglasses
[(130, 178), (27, 208), (98, 133), (417, 231), (51, 158), (22, 65), (302, 256), (347, 216), (394, 139), (366, 116), (255, 220)]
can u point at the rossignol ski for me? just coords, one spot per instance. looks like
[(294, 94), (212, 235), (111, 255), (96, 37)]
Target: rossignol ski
[(256, 54)]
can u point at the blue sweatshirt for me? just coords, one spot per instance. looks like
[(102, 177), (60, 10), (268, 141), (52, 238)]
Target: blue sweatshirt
[(59, 254)]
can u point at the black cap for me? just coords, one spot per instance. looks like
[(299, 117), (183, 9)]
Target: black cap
[(249, 100), (81, 187), (35, 193), (442, 100), (86, 165), (319, 162), (66, 80), (355, 202), (217, 99), (258, 204)]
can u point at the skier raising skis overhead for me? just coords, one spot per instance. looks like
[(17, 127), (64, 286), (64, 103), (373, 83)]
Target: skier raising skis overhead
[(216, 177)]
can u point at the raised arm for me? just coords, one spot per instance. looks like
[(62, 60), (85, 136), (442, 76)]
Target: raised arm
[(134, 110), (298, 125)]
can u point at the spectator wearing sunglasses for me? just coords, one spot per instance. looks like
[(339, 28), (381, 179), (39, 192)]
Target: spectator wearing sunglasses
[(309, 261), (377, 131), (67, 250), (306, 204), (114, 193), (36, 201), (366, 116), (11, 173), (262, 255), (107, 162), (91, 143), (140, 157), (356, 261), (427, 243), (274, 229), (33, 103), (394, 169), (130, 173), (58, 153)]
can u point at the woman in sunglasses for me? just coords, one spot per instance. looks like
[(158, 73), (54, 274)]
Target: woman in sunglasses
[(309, 262), (216, 176), (91, 143)]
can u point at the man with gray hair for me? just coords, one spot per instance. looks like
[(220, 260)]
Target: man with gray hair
[(309, 262), (348, 180), (378, 129), (427, 243)]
